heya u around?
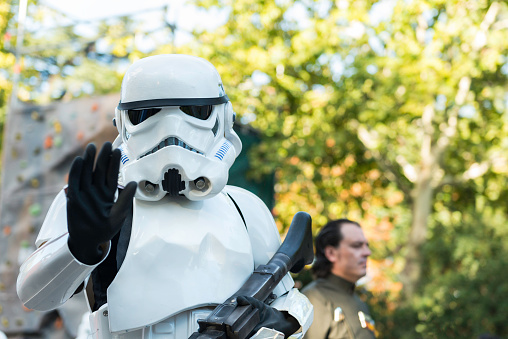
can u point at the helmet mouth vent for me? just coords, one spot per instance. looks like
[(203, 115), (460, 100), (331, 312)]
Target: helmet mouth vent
[(171, 141), (173, 183)]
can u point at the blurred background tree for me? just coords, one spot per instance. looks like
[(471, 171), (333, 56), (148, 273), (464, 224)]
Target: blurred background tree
[(392, 113), (7, 60)]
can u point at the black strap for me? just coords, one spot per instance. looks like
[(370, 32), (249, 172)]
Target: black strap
[(238, 209), (173, 102)]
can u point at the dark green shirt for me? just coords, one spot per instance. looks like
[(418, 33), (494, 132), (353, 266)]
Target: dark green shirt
[(338, 311)]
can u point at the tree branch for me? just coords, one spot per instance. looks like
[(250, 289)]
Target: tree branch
[(450, 129), (369, 142), (480, 39)]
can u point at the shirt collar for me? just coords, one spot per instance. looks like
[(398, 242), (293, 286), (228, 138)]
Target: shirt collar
[(346, 285)]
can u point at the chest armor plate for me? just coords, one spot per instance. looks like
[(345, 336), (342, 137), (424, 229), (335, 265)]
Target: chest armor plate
[(182, 255)]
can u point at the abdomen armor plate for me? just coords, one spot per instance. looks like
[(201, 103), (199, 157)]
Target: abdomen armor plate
[(182, 255)]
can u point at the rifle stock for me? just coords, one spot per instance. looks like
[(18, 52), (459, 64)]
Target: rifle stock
[(230, 321)]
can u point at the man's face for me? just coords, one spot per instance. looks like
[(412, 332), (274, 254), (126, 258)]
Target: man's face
[(349, 259)]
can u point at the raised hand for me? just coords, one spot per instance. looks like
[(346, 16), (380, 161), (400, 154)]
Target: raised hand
[(93, 216)]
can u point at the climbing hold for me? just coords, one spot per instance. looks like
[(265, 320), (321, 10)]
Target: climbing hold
[(35, 183), (48, 142), (35, 209), (80, 135), (7, 230), (57, 126), (58, 141), (36, 116)]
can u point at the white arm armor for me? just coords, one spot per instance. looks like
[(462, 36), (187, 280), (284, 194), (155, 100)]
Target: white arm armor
[(297, 305), (51, 275), (265, 242)]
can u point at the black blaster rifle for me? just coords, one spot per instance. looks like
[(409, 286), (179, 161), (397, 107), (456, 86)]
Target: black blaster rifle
[(230, 321)]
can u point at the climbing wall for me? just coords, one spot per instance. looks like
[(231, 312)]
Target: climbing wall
[(39, 145)]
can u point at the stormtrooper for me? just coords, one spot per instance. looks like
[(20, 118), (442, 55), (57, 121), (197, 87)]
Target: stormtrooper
[(149, 228)]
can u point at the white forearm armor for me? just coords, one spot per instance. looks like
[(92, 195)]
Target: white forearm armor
[(51, 275)]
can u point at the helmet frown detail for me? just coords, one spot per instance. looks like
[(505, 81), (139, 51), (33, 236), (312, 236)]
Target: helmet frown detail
[(175, 125)]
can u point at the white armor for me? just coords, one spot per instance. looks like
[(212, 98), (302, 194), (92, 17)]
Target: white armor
[(214, 250), (189, 248)]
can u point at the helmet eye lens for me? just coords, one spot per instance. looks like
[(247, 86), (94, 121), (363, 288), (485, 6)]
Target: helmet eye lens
[(137, 116), (200, 112)]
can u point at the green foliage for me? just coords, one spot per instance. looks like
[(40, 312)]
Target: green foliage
[(6, 61), (464, 291), (61, 62), (397, 121), (459, 305)]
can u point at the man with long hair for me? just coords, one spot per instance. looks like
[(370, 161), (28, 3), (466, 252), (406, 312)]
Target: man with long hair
[(341, 260)]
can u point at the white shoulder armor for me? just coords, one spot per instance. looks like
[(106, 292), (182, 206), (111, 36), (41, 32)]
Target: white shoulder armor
[(265, 240), (263, 233)]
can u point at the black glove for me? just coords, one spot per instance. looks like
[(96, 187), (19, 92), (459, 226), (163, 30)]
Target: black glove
[(271, 317), (93, 217)]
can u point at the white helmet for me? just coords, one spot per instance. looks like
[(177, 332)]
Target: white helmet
[(175, 125)]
